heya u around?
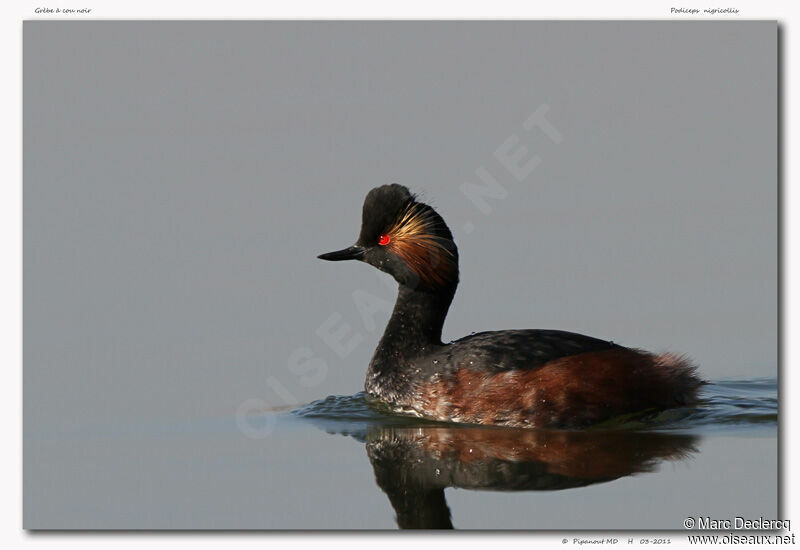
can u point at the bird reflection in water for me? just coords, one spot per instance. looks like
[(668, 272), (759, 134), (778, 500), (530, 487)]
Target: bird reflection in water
[(414, 465)]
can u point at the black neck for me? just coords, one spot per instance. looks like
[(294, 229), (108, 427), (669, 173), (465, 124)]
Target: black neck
[(417, 319), (414, 328)]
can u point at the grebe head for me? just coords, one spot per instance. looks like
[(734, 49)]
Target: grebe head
[(404, 238)]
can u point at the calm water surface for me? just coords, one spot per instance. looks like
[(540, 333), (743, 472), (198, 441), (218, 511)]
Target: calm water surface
[(337, 464), (416, 461)]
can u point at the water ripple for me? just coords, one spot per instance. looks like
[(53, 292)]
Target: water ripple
[(724, 403)]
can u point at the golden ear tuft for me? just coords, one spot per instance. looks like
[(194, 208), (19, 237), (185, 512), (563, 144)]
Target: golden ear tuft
[(413, 238)]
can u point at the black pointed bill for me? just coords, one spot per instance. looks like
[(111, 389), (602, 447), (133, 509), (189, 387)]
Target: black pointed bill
[(350, 253)]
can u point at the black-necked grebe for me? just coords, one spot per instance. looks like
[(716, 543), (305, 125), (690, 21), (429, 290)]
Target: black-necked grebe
[(523, 378)]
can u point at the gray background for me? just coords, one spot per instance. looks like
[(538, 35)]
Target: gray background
[(181, 177)]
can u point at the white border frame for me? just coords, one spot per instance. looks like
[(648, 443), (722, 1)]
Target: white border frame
[(12, 535)]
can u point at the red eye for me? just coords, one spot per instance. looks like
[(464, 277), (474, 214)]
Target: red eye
[(383, 240)]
